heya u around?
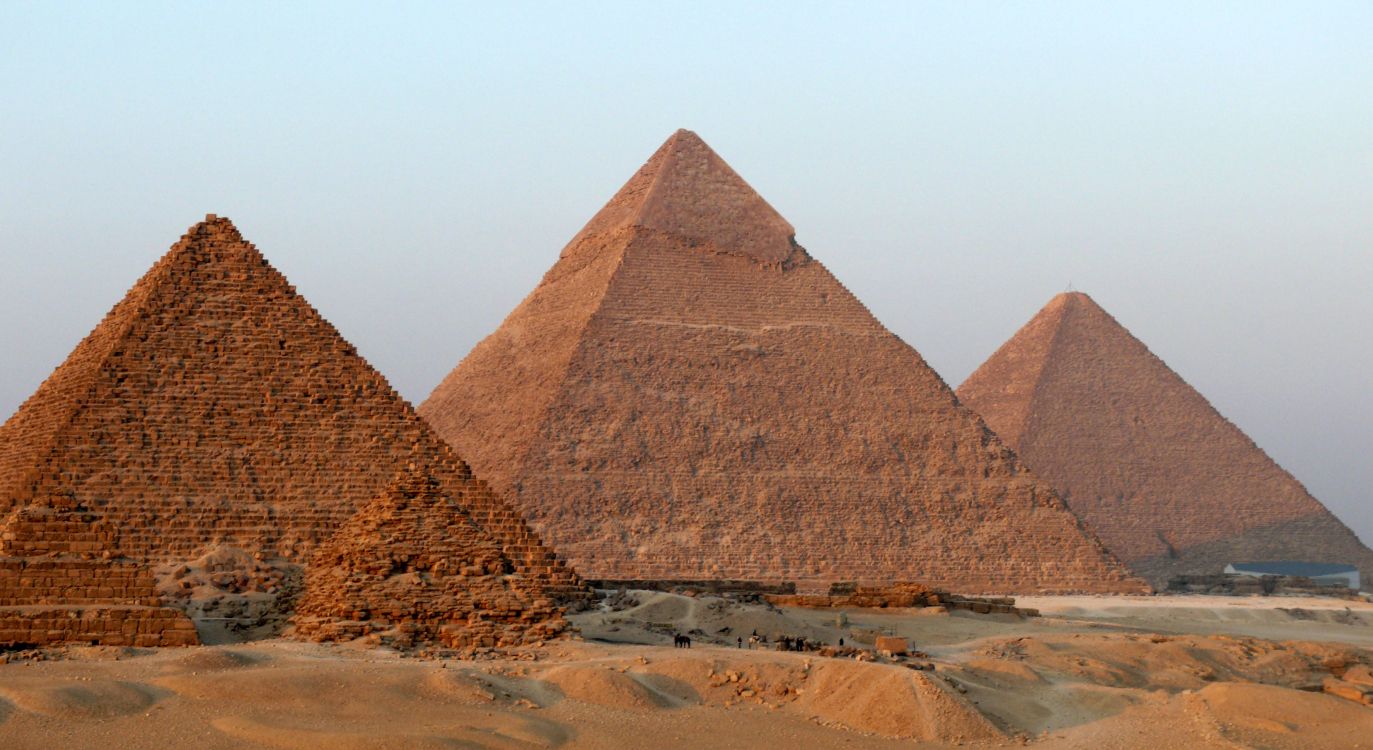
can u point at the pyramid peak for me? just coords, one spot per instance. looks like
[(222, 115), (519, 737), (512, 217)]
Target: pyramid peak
[(1168, 483), (1072, 297), (685, 189), (215, 226), (683, 138)]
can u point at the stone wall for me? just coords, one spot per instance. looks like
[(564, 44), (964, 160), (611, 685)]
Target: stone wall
[(62, 580), (902, 595)]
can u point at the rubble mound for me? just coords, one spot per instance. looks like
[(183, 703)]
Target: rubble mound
[(62, 581), (689, 395), (214, 406), (1170, 485), (414, 569), (232, 594)]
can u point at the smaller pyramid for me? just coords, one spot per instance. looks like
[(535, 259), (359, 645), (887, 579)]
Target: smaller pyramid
[(215, 407), (1168, 484), (63, 581), (413, 568)]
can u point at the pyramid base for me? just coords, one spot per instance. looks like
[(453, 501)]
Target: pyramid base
[(42, 626)]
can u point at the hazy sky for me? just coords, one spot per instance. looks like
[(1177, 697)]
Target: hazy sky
[(1204, 170)]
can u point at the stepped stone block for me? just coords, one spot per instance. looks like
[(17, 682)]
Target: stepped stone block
[(1171, 486), (414, 568), (63, 581), (215, 406), (688, 394)]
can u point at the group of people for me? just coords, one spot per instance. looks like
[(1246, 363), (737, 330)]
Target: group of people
[(784, 642)]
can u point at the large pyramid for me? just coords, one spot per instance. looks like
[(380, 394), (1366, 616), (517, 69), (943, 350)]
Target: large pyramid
[(412, 568), (215, 405), (1168, 483), (688, 394)]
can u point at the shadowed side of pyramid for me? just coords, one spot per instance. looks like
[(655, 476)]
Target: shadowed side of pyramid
[(669, 403), (1168, 483), (214, 405)]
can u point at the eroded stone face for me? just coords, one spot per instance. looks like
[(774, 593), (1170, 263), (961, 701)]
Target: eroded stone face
[(413, 570), (62, 580), (671, 402), (1168, 483), (215, 406)]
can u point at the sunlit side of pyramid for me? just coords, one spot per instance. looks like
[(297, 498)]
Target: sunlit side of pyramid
[(214, 405), (688, 394), (1168, 483)]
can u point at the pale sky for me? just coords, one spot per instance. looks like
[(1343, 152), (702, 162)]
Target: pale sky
[(1204, 171)]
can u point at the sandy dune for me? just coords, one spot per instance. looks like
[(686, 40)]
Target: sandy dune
[(1092, 673)]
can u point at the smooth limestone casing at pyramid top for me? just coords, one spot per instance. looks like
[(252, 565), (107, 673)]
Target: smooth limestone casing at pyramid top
[(688, 394), (1168, 483), (215, 405)]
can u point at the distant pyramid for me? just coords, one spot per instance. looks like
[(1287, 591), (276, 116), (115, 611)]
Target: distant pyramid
[(1168, 484), (412, 568), (687, 394), (215, 405), (63, 581)]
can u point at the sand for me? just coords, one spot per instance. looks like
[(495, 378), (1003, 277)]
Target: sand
[(1095, 672)]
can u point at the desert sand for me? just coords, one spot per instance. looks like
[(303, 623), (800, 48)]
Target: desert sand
[(1092, 672)]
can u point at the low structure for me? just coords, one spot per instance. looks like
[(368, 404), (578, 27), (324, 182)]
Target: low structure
[(905, 595), (1324, 574), (695, 586), (63, 581), (1229, 584)]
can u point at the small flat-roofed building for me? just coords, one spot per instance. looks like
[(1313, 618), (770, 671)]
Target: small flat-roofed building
[(1323, 573)]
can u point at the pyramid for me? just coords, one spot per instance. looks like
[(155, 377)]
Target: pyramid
[(412, 567), (63, 581), (214, 405), (688, 395), (1168, 483)]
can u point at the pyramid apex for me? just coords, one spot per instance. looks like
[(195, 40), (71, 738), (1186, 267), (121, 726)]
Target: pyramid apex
[(215, 225), (683, 134), (686, 189), (1072, 296)]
